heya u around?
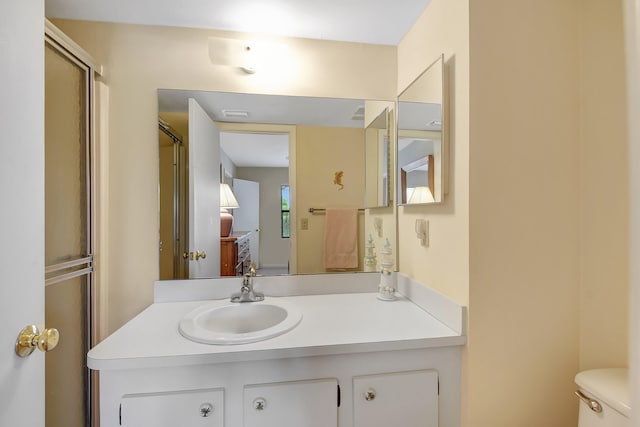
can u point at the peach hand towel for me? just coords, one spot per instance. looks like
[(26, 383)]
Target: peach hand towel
[(341, 238)]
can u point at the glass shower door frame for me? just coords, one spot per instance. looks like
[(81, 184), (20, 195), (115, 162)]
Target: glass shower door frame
[(82, 266)]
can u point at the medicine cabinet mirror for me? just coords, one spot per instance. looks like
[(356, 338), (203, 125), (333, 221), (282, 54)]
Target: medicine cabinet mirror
[(422, 144)]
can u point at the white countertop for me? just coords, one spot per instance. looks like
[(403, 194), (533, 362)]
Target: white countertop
[(331, 324)]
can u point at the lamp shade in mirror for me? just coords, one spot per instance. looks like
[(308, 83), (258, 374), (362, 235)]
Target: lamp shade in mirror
[(227, 201), (421, 195)]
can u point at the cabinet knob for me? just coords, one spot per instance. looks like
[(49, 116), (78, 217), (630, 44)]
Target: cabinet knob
[(259, 404), (369, 395), (206, 409)]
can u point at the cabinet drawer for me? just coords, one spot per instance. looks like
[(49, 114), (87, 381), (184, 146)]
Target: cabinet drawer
[(184, 408), (243, 245), (242, 256)]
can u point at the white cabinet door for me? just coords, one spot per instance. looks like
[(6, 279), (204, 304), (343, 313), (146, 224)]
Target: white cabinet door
[(311, 403), (196, 408), (407, 399)]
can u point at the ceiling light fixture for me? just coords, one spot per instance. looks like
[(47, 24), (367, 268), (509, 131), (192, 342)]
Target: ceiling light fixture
[(249, 56), (249, 66)]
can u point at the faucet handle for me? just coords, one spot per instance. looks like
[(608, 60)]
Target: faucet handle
[(252, 270), (247, 293)]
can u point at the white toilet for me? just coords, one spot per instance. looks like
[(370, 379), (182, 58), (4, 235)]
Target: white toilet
[(605, 396)]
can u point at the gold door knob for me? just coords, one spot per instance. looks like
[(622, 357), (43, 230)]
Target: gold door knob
[(31, 337), (195, 256)]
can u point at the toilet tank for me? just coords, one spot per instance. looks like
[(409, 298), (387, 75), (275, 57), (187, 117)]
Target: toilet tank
[(607, 390)]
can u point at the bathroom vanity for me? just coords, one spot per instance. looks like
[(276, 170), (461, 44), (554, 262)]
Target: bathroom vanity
[(353, 360)]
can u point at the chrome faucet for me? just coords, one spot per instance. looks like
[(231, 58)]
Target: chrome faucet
[(247, 293)]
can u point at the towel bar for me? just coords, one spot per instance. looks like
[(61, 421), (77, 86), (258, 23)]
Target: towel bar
[(323, 210)]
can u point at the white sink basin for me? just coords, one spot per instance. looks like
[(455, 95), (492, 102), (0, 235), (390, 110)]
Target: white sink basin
[(239, 323)]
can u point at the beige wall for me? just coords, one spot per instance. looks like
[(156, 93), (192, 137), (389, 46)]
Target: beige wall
[(320, 152), (524, 208), (604, 188), (547, 260), (140, 59), (444, 265), (274, 249)]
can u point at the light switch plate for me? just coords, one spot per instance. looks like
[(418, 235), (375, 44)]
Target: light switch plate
[(422, 231)]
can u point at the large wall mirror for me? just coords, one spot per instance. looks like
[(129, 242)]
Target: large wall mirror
[(422, 144), (286, 159)]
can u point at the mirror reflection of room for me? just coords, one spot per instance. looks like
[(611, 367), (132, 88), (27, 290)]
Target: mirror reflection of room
[(285, 180)]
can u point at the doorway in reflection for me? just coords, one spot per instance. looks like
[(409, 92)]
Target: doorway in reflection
[(256, 165)]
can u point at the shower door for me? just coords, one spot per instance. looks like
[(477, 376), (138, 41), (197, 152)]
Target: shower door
[(68, 235)]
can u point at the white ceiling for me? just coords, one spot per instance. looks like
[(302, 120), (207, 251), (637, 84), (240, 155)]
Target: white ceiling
[(364, 21), (256, 150)]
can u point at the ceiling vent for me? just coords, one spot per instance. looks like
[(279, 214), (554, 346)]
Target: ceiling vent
[(235, 114), (358, 114)]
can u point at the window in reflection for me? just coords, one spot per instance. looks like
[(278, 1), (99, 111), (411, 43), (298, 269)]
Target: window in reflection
[(284, 212)]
